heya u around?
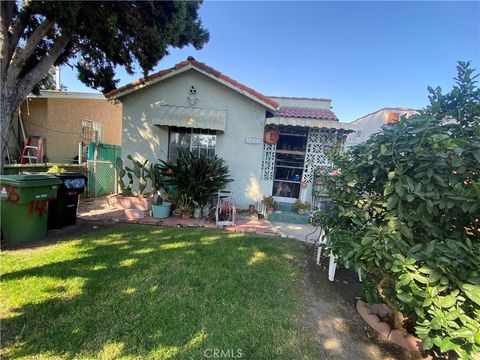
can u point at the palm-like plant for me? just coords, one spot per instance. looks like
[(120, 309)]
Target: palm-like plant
[(199, 178)]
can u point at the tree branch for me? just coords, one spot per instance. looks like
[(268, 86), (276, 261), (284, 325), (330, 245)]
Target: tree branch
[(7, 9), (21, 55), (27, 83), (16, 30)]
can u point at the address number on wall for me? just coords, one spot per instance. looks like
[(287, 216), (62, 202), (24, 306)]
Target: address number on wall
[(253, 141)]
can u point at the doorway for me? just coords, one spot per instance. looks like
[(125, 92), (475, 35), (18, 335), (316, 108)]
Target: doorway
[(289, 163)]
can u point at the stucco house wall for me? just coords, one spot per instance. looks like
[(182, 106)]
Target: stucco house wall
[(372, 123), (245, 118), (57, 117), (311, 103)]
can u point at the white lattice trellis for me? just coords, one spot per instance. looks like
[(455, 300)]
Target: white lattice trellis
[(268, 163), (319, 143)]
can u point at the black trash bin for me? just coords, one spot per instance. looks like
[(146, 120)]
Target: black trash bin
[(63, 210)]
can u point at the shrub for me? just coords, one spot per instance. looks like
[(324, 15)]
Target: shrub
[(406, 205), (199, 178)]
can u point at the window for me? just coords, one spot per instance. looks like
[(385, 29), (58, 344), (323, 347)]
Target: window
[(91, 132), (199, 141)]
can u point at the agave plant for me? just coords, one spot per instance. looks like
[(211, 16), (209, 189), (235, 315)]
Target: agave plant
[(199, 178)]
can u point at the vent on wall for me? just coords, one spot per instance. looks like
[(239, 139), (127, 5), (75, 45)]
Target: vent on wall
[(192, 95)]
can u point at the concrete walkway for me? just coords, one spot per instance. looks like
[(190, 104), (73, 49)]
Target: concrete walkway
[(302, 232)]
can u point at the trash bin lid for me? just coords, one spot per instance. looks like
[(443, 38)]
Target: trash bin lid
[(30, 180), (69, 175)]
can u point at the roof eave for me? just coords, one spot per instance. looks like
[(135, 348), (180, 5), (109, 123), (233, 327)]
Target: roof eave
[(177, 70)]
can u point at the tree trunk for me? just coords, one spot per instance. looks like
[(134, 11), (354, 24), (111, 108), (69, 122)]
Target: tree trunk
[(15, 90), (397, 315), (6, 113)]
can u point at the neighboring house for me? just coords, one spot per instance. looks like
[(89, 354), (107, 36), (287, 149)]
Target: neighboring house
[(196, 107), (64, 119), (372, 123)]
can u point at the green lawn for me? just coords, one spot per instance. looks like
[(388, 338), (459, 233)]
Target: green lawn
[(149, 292)]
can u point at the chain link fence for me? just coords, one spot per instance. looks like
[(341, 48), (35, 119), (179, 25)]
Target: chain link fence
[(102, 177)]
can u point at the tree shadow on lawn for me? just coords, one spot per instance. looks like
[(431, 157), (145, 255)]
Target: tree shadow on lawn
[(155, 292)]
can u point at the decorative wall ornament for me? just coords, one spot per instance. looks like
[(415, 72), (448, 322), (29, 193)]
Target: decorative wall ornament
[(271, 134), (268, 163), (319, 143), (192, 95)]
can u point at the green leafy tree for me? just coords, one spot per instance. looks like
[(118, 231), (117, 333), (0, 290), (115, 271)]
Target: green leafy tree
[(97, 35), (406, 206)]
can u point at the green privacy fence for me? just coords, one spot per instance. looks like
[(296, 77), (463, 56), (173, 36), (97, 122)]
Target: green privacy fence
[(102, 175)]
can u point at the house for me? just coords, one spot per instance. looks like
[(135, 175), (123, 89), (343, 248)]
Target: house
[(194, 106), (64, 119), (372, 123)]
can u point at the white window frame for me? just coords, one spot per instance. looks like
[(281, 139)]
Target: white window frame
[(192, 132), (92, 131)]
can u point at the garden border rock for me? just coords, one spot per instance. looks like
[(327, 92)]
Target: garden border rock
[(371, 313)]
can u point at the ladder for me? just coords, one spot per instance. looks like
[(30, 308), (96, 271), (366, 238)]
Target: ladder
[(32, 150)]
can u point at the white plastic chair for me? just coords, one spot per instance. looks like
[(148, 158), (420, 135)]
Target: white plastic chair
[(332, 264)]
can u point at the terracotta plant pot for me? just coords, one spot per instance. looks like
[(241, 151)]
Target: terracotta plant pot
[(269, 211), (186, 215)]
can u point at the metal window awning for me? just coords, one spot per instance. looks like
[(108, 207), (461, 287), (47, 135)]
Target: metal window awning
[(310, 123), (190, 117)]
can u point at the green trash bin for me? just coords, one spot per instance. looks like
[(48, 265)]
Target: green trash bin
[(24, 205)]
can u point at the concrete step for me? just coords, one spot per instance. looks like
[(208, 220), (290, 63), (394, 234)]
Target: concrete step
[(286, 207), (288, 217)]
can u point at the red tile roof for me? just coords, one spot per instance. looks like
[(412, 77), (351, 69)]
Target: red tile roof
[(298, 98), (203, 67), (299, 112)]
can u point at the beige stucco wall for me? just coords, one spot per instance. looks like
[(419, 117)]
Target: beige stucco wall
[(59, 121), (245, 118)]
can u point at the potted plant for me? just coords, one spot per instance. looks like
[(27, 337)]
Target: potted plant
[(160, 207), (302, 207), (197, 212), (185, 205), (269, 203), (197, 177)]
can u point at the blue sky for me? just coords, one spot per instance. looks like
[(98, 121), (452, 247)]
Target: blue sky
[(362, 55)]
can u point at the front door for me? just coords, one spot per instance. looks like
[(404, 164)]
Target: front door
[(289, 161)]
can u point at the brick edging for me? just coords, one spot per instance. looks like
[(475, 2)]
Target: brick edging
[(370, 314)]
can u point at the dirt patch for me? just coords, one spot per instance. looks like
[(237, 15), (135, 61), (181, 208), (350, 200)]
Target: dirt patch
[(331, 315)]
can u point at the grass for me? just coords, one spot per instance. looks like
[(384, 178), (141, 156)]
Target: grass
[(148, 292)]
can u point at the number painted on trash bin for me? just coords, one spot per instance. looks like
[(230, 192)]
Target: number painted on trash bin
[(38, 206), (10, 193)]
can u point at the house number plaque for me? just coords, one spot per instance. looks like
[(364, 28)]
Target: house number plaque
[(253, 141)]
